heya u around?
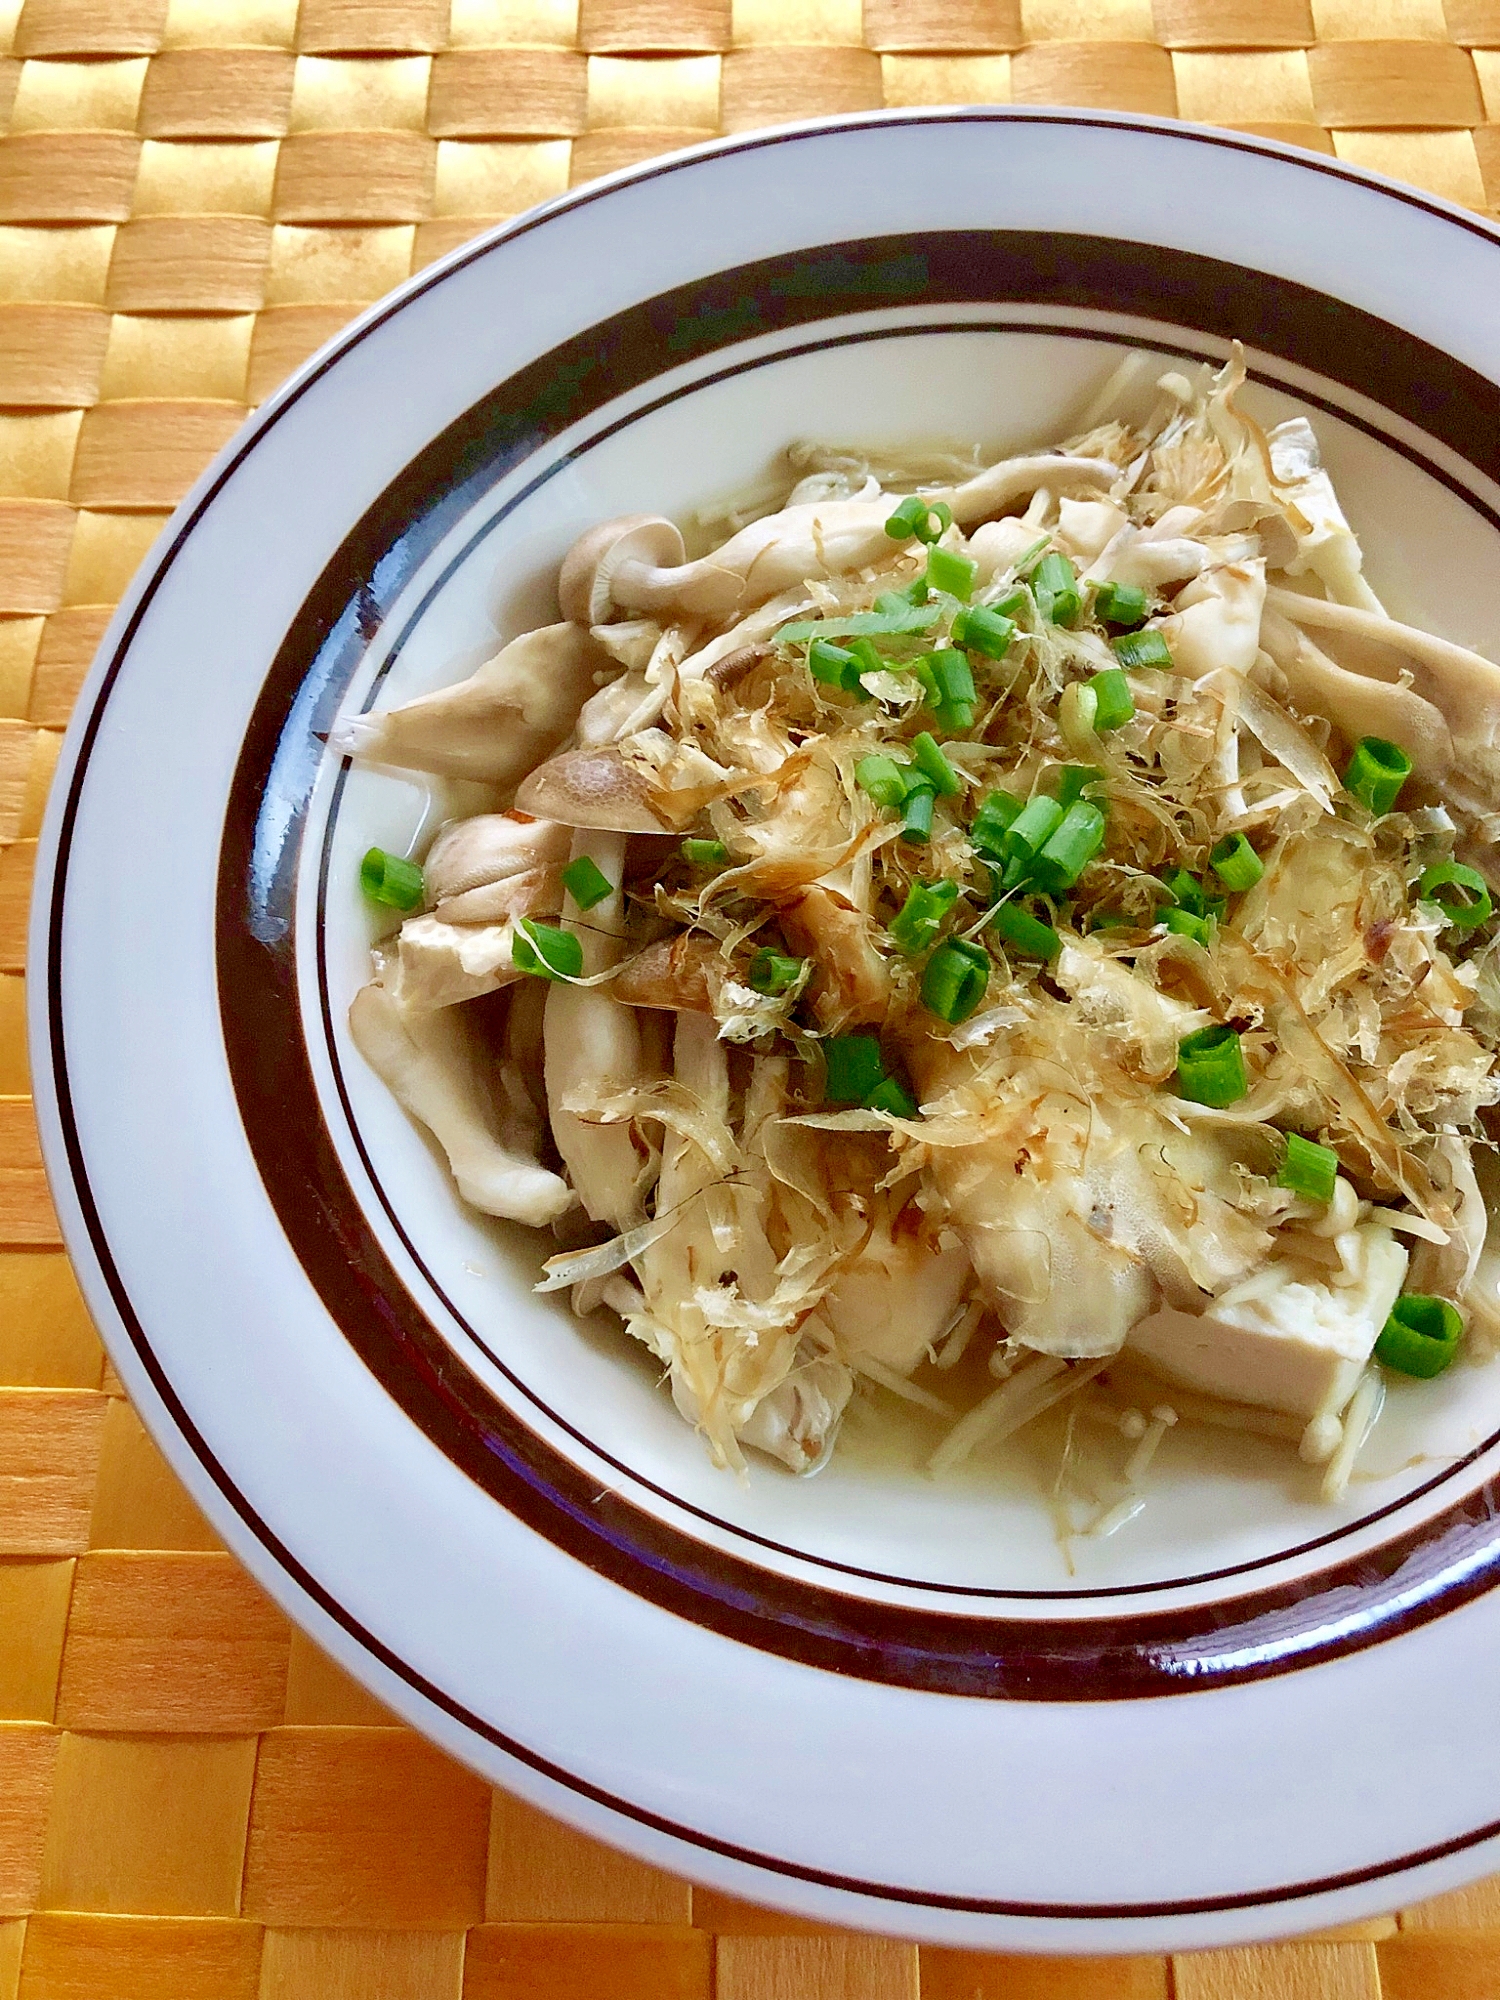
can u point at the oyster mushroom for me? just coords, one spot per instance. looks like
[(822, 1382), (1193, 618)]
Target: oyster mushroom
[(1358, 704), (494, 866), (510, 713), (1216, 620), (431, 1068), (850, 982), (593, 1050), (591, 788), (683, 972), (616, 554)]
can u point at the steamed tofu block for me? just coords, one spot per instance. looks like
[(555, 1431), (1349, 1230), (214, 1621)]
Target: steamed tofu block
[(1283, 1340)]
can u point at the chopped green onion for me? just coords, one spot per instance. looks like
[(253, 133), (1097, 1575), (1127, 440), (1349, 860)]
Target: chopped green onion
[(547, 951), (1188, 924), (1112, 695), (1058, 597), (948, 571), (984, 629), (920, 918), (1032, 827), (892, 623), (1421, 1336), (705, 853), (1073, 780), (1236, 862), (1185, 890), (773, 972), (1309, 1168), (1120, 603), (854, 1067), (1211, 1068), (901, 600), (893, 1098), (997, 813), (934, 766), (909, 518), (954, 676), (586, 882), (1069, 849), (830, 664), (387, 878), (1376, 773), (1137, 650), (916, 817), (883, 779), (1460, 893), (1025, 933), (956, 980), (866, 661)]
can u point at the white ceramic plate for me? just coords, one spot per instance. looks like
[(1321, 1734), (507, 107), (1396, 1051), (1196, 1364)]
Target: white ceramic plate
[(867, 1697)]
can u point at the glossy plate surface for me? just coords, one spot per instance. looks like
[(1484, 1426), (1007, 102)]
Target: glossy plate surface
[(491, 1515)]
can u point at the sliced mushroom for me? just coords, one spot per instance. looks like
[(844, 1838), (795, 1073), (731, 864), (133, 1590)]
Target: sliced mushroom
[(850, 982), (430, 1067), (593, 1050), (994, 489), (1358, 704), (1216, 620), (1148, 561), (590, 788), (494, 726), (1463, 684), (439, 964), (683, 972), (614, 552)]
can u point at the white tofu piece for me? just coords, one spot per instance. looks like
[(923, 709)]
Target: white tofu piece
[(1281, 1340)]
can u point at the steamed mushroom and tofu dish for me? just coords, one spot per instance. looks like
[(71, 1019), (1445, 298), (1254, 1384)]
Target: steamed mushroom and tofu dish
[(994, 936)]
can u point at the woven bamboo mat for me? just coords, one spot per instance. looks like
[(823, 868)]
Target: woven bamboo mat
[(194, 1804)]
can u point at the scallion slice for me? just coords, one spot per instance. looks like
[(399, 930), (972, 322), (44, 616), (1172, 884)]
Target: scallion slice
[(1069, 848), (916, 815), (1031, 828), (854, 1068), (893, 1098), (893, 623), (1138, 650), (1421, 1335), (1025, 933), (1055, 582), (1113, 704), (883, 779), (1185, 890), (917, 924), (773, 972), (1073, 780), (955, 980), (907, 519), (1459, 891), (1376, 773), (586, 882), (830, 664), (1309, 1168), (998, 812), (545, 950), (1120, 603), (1188, 924), (934, 766), (983, 629), (390, 879), (948, 571), (1211, 1067), (954, 676), (705, 853), (1236, 862)]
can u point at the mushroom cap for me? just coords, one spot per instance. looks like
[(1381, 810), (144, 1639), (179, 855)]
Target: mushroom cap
[(489, 847), (583, 583), (594, 788)]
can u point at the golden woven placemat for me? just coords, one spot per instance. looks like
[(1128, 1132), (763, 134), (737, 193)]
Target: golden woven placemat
[(194, 1805)]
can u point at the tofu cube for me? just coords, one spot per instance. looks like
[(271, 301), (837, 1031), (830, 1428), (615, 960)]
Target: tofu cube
[(1282, 1340)]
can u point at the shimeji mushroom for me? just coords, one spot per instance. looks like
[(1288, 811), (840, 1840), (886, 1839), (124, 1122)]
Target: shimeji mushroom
[(430, 1067), (683, 972), (496, 725), (494, 866), (637, 563)]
